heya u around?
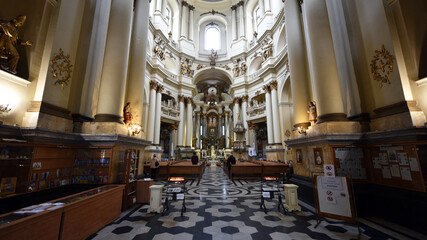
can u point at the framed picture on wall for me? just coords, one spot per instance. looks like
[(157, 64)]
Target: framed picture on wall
[(318, 156), (298, 156)]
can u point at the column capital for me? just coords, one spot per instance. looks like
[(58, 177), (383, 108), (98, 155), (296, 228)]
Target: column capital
[(245, 98), (240, 3), (153, 85), (181, 98), (226, 114), (184, 3), (273, 85), (191, 7), (220, 115), (204, 115), (160, 88), (266, 88), (251, 125), (198, 113), (233, 8), (175, 126), (300, 2)]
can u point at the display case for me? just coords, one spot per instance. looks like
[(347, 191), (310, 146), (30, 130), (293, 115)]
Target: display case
[(15, 161), (130, 173), (50, 167), (92, 165)]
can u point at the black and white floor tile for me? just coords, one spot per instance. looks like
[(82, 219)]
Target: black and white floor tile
[(220, 209)]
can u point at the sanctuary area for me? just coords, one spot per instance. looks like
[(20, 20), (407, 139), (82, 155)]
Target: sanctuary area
[(213, 119)]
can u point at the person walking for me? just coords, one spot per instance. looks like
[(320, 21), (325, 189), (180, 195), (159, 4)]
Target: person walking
[(154, 165)]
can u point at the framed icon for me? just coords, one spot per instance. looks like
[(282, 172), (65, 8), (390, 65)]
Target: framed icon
[(318, 156), (298, 156)]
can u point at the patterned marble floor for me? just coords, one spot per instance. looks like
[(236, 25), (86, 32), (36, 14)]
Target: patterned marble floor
[(220, 209)]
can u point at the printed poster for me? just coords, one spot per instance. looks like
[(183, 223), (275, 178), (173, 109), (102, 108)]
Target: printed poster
[(406, 173), (402, 158), (414, 164), (395, 170), (383, 158), (376, 162), (386, 171)]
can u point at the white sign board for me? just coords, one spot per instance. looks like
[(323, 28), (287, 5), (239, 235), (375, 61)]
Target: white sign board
[(333, 196)]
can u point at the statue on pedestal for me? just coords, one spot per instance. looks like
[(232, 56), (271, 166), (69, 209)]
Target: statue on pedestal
[(312, 113), (9, 40)]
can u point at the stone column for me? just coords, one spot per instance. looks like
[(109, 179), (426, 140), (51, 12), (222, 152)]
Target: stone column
[(297, 61), (226, 135), (191, 25), (268, 115), (159, 6), (235, 113), (158, 114), (198, 130), (184, 20), (181, 120), (114, 71), (151, 114), (205, 125), (164, 4), (267, 6), (245, 117), (241, 19), (261, 7), (174, 129), (189, 122), (233, 23), (321, 59), (135, 88), (220, 125), (275, 113)]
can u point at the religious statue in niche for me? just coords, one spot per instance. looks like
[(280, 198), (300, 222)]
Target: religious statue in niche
[(127, 114), (183, 66), (312, 113), (190, 70), (236, 69), (9, 40), (159, 49), (243, 68), (213, 57)]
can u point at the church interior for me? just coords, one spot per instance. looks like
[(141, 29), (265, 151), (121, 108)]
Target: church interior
[(105, 104)]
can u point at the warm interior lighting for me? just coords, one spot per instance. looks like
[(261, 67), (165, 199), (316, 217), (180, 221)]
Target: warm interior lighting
[(302, 130), (134, 129)]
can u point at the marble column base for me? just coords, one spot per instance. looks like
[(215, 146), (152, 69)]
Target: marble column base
[(330, 127), (105, 128)]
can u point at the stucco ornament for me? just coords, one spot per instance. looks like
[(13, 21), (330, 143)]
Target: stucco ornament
[(382, 66), (61, 68)]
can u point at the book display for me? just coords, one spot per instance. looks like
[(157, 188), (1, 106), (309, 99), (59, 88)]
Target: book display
[(130, 173), (92, 166), (15, 161), (51, 167)]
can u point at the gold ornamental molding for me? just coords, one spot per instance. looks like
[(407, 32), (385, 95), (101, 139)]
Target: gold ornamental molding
[(61, 68), (382, 66)]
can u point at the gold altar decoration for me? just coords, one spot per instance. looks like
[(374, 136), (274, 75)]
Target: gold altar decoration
[(61, 68), (382, 66)]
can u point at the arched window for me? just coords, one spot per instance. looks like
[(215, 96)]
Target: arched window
[(212, 38)]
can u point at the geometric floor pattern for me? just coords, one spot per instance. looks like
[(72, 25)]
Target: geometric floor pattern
[(220, 209)]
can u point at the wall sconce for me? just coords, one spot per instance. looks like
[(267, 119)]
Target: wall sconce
[(302, 131), (134, 129), (4, 109)]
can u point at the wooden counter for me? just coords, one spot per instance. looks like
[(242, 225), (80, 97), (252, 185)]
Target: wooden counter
[(178, 169), (79, 216), (44, 225)]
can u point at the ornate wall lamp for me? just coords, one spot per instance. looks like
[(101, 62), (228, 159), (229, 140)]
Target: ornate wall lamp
[(4, 109), (302, 131), (134, 129)]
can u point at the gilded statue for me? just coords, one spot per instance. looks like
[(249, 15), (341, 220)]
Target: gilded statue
[(9, 39), (243, 68), (312, 113), (236, 69), (267, 51), (127, 115), (213, 57), (183, 67)]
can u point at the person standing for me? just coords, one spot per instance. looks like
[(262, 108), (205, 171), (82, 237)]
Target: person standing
[(194, 159), (154, 165), (230, 160)]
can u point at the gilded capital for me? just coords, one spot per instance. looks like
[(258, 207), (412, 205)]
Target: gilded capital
[(266, 88), (181, 98), (160, 88), (220, 115), (273, 85), (226, 114), (245, 98), (153, 85)]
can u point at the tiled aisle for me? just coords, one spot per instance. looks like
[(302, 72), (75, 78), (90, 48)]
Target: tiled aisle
[(218, 208)]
